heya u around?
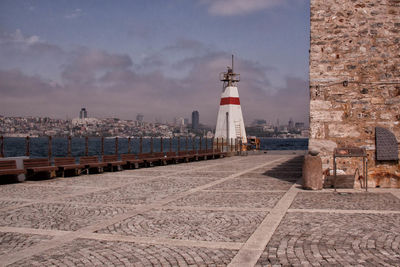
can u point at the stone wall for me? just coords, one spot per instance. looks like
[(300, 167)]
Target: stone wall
[(355, 80)]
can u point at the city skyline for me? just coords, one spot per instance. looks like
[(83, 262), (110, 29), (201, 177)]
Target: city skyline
[(160, 59)]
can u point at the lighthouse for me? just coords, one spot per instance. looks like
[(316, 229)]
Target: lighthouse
[(230, 124)]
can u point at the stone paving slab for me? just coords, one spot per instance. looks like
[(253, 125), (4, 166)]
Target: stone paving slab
[(334, 239), (86, 252), (7, 204), (191, 225), (143, 192), (230, 199), (10, 242), (202, 174), (93, 180), (346, 201), (68, 217), (285, 176), (253, 184), (38, 192)]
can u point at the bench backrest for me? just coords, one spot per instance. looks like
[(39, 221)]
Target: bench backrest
[(64, 161), (8, 164), (144, 155), (88, 159), (128, 156), (171, 154), (108, 158), (158, 154), (41, 162)]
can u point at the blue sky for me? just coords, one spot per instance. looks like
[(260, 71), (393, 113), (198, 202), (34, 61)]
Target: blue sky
[(160, 58)]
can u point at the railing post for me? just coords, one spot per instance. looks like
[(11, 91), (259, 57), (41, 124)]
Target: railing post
[(206, 143), (212, 144), (102, 146), (200, 143), (2, 147), (69, 146), (161, 145), (151, 144), (27, 144), (241, 146), (217, 144), (49, 148), (186, 143), (222, 143), (86, 146), (116, 145), (129, 145), (170, 144), (194, 143), (236, 148), (179, 144), (141, 145)]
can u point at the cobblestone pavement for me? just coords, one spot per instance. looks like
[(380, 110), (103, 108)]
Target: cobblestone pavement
[(237, 211)]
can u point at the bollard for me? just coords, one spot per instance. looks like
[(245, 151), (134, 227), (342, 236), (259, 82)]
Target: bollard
[(116, 145), (151, 145), (86, 146), (161, 145), (129, 145), (69, 146), (49, 148), (27, 144), (102, 145), (141, 145)]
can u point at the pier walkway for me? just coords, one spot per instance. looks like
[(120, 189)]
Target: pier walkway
[(237, 211)]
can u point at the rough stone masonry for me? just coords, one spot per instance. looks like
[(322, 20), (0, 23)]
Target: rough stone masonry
[(355, 81)]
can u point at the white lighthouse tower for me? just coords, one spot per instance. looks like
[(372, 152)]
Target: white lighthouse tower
[(230, 124)]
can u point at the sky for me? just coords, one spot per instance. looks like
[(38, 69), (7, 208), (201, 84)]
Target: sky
[(161, 58)]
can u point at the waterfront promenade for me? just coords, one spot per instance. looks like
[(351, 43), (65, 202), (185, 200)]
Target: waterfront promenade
[(237, 211)]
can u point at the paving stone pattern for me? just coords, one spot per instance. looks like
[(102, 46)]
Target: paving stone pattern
[(203, 213), (84, 252), (346, 201)]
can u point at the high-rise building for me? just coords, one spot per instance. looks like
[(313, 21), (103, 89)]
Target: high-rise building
[(139, 117), (83, 113), (195, 120)]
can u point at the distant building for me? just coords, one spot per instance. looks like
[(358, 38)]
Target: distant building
[(299, 125), (83, 113), (195, 120), (139, 117), (291, 124), (186, 120)]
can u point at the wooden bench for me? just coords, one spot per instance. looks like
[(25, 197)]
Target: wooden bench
[(170, 157), (68, 163), (131, 160), (205, 154), (186, 155), (40, 165), (112, 161), (151, 158), (9, 167), (92, 163)]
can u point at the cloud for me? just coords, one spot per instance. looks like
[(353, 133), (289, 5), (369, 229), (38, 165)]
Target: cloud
[(113, 85), (18, 38), (238, 7), (76, 13)]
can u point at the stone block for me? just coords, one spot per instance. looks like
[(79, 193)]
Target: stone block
[(312, 172), (326, 116), (343, 130)]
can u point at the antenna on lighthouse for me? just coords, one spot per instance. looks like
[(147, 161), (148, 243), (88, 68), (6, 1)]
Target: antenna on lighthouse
[(229, 78)]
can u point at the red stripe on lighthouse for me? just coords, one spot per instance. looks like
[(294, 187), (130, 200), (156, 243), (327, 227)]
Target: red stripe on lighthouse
[(230, 101)]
